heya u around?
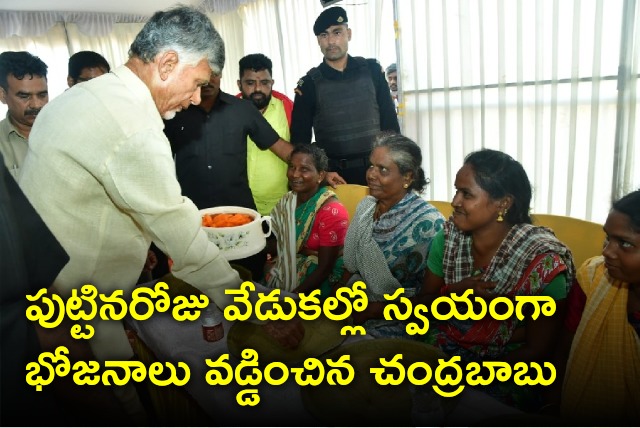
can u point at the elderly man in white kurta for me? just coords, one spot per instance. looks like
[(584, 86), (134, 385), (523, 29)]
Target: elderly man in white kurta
[(100, 171)]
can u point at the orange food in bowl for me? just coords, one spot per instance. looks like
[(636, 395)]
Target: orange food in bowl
[(225, 220)]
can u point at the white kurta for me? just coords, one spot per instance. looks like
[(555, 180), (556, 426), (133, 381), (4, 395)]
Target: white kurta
[(100, 173)]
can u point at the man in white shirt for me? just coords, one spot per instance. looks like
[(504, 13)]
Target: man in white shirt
[(100, 173)]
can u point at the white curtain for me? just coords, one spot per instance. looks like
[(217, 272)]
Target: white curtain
[(50, 47), (35, 24), (229, 25), (54, 36), (534, 79), (113, 46), (538, 80), (294, 48), (26, 24), (281, 29), (627, 154)]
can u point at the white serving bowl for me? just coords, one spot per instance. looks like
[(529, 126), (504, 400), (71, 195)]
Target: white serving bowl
[(238, 242)]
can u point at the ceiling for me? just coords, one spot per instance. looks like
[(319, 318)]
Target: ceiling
[(137, 7)]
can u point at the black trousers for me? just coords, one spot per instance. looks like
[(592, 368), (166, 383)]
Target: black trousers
[(353, 170)]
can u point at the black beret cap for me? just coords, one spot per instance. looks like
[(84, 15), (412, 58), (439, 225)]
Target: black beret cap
[(331, 16)]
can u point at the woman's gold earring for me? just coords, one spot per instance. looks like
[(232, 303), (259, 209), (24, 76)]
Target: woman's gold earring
[(405, 185), (500, 219)]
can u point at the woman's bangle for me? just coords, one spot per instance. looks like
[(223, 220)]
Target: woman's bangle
[(444, 290)]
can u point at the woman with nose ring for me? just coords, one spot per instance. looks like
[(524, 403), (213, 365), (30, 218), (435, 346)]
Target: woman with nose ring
[(390, 234), (602, 380), (309, 224)]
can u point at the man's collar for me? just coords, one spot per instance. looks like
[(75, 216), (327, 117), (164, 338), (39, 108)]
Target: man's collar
[(346, 67), (7, 128), (223, 97)]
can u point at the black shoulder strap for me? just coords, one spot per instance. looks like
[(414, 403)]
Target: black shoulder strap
[(360, 61), (315, 74), (373, 61)]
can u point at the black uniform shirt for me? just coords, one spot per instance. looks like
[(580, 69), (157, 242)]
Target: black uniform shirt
[(304, 104)]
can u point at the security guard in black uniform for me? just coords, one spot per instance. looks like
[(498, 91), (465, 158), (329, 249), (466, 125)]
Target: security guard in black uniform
[(345, 100)]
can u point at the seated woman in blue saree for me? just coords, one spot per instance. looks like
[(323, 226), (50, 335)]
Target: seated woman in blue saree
[(390, 234), (309, 224)]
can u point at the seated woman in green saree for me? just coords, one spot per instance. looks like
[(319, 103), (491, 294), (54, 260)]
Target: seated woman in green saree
[(309, 224)]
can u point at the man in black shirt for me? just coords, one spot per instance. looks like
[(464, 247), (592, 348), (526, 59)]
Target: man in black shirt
[(345, 100), (209, 142)]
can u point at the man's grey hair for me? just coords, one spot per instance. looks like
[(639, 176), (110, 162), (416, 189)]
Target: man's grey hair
[(185, 30), (393, 68)]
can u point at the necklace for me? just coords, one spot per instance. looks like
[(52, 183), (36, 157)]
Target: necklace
[(303, 210)]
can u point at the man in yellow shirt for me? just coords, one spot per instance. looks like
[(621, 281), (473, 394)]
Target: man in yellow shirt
[(267, 173)]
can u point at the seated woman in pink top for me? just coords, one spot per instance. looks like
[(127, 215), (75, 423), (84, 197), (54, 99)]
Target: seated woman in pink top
[(310, 225)]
